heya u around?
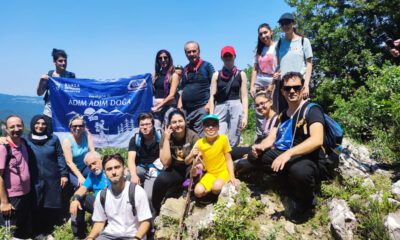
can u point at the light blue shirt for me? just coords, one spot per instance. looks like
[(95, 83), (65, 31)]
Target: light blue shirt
[(292, 55)]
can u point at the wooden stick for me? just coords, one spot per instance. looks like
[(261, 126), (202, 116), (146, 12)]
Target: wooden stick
[(187, 202)]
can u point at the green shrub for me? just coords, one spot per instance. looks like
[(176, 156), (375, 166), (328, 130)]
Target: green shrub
[(4, 234)]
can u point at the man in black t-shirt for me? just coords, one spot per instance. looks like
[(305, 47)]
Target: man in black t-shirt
[(143, 150), (293, 149), (196, 82)]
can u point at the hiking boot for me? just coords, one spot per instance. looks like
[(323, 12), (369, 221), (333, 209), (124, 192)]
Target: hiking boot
[(299, 213)]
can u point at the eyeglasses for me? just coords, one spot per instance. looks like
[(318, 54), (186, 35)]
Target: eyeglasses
[(145, 124), (163, 58), (210, 124), (76, 126), (296, 88)]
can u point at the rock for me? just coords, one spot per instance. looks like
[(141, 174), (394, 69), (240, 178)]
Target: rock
[(396, 190), (368, 183), (173, 208), (200, 218), (343, 221), (392, 224), (356, 161), (289, 227)]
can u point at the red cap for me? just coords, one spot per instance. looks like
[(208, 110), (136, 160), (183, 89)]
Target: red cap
[(228, 49)]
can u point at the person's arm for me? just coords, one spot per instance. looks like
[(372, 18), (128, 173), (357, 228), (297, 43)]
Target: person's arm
[(67, 150), (96, 229), (89, 140), (5, 205), (229, 164), (42, 86), (132, 167), (245, 100), (213, 91), (189, 158), (76, 204), (172, 91), (306, 91), (179, 105), (253, 80), (309, 145), (266, 143), (396, 50), (144, 227), (165, 148), (62, 166)]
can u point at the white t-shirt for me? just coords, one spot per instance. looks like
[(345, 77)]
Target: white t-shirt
[(118, 212)]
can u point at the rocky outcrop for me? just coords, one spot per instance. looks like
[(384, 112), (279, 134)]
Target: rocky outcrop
[(343, 222), (392, 224)]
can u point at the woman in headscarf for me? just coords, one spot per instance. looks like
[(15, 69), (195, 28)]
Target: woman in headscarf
[(49, 175)]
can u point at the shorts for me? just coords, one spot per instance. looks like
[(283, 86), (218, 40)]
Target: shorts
[(208, 179)]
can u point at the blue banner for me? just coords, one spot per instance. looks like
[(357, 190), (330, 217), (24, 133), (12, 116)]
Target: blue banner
[(109, 107)]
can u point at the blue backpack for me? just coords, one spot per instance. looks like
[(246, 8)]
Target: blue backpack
[(333, 131)]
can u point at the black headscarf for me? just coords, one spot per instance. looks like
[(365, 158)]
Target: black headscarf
[(39, 138)]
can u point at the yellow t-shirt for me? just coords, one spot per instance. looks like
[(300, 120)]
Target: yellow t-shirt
[(214, 155)]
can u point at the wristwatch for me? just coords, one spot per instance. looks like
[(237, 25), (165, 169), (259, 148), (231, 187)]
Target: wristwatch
[(76, 197)]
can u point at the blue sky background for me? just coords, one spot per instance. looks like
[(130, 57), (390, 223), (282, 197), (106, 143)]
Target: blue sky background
[(112, 39)]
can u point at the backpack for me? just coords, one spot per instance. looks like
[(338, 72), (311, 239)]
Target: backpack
[(132, 188), (333, 131), (138, 139)]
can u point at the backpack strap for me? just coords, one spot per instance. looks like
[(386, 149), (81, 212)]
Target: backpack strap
[(9, 155), (103, 194), (278, 46), (158, 132), (132, 189)]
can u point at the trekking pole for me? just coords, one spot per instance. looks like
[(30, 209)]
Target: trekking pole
[(187, 202)]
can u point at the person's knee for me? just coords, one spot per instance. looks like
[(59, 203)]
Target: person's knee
[(200, 190), (217, 186), (303, 172)]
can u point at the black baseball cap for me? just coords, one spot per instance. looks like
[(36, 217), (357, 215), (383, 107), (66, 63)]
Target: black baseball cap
[(286, 16)]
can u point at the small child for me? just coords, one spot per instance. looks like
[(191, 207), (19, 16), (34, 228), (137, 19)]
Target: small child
[(215, 151)]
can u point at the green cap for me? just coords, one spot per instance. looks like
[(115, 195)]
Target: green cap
[(210, 116)]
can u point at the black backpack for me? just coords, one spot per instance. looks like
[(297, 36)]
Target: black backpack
[(132, 188)]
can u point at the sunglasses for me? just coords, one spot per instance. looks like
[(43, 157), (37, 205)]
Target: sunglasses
[(283, 23), (163, 58), (296, 88), (76, 126)]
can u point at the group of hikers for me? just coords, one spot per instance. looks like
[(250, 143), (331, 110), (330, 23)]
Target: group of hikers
[(194, 129)]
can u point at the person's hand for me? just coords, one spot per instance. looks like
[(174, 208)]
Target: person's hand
[(155, 109), (257, 150), (279, 163), (44, 77), (81, 180), (63, 181), (6, 209), (207, 107), (195, 150), (74, 206), (3, 140), (394, 52), (167, 132), (253, 91), (306, 92), (135, 179), (243, 125), (276, 76), (235, 182)]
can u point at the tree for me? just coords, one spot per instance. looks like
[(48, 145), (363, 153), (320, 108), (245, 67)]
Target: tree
[(343, 38)]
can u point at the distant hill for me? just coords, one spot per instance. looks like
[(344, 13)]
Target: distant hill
[(24, 106)]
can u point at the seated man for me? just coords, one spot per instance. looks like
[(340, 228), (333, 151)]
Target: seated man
[(215, 151), (293, 148), (123, 206), (80, 201), (143, 151)]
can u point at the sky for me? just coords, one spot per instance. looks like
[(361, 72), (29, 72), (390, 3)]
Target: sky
[(112, 39)]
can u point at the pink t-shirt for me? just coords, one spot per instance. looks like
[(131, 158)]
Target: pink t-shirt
[(16, 174)]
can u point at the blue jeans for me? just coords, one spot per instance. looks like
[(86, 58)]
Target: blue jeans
[(74, 179), (78, 224)]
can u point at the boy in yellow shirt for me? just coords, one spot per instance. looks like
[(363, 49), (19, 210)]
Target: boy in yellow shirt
[(215, 151)]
